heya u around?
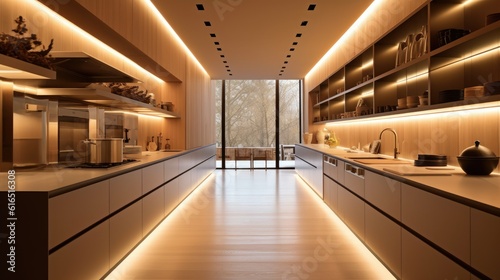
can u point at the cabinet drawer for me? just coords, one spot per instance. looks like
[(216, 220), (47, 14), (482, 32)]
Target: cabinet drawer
[(125, 230), (352, 211), (330, 167), (355, 179), (442, 221), (124, 189), (383, 236), (72, 212), (171, 167), (384, 193), (171, 195), (85, 258), (152, 177), (485, 243), (420, 261), (153, 210), (331, 193)]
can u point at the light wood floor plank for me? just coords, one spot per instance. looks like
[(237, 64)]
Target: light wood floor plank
[(251, 224)]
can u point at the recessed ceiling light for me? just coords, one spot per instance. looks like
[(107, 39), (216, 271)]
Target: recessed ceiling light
[(288, 56), (295, 43), (304, 23), (298, 35), (219, 49), (230, 74), (292, 49), (216, 43), (228, 70), (207, 23), (222, 55), (225, 61), (200, 7), (212, 35), (282, 71), (286, 61), (283, 67), (227, 66), (311, 7)]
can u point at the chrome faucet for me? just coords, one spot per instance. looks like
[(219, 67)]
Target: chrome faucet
[(396, 152)]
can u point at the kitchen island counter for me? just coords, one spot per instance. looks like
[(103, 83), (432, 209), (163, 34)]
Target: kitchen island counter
[(58, 178)]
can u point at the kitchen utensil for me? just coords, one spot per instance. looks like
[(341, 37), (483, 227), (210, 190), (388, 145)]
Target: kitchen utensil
[(477, 160), (104, 150), (152, 146)]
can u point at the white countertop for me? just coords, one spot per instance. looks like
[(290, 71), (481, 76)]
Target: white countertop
[(482, 192), (58, 178)]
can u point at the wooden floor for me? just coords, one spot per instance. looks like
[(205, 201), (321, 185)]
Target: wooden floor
[(251, 224)]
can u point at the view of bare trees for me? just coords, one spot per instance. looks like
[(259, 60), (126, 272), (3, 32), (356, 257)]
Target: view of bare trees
[(251, 111)]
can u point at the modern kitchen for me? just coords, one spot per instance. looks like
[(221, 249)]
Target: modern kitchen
[(108, 119)]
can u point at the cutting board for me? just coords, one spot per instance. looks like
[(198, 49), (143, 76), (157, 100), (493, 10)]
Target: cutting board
[(419, 171), (381, 161)]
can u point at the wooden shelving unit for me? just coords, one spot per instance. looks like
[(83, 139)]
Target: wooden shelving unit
[(380, 79), (105, 98)]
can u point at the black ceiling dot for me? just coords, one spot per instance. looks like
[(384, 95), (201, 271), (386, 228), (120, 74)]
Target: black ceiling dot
[(286, 61), (311, 7), (282, 71), (230, 74), (292, 49), (304, 23), (216, 43), (212, 35), (219, 49), (228, 70), (283, 67), (222, 55), (225, 61), (200, 7), (227, 66), (207, 23), (288, 56), (298, 35), (295, 43)]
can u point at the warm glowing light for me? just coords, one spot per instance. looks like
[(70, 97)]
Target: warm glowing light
[(476, 53), (355, 27), (367, 65), (91, 39), (24, 89), (346, 233), (479, 108), (367, 93), (404, 80), (169, 28)]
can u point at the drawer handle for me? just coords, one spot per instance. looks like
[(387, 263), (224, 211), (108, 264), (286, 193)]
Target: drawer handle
[(330, 160), (359, 172)]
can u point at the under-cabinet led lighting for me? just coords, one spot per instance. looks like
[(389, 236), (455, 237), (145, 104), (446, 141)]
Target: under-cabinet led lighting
[(404, 80), (479, 108), (367, 93), (477, 53), (367, 65), (169, 28)]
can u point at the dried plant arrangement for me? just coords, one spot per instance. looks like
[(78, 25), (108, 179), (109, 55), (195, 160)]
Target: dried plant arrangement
[(23, 47)]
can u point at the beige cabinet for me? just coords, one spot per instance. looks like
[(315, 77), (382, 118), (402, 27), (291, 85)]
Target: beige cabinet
[(420, 261), (124, 189), (383, 237), (152, 177), (125, 230), (384, 193), (442, 221), (351, 210), (171, 168), (309, 166), (153, 210), (171, 195), (485, 243), (355, 179), (331, 193), (85, 258), (74, 211)]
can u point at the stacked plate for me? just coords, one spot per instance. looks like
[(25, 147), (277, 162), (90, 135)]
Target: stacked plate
[(431, 160)]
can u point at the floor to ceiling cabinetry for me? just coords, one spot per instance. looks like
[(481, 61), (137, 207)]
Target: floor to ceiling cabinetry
[(420, 56)]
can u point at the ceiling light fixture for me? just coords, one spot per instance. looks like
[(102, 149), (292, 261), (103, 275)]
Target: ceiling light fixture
[(200, 7), (216, 43), (219, 49), (295, 43), (212, 35), (207, 23), (292, 49), (311, 7), (298, 35), (304, 23)]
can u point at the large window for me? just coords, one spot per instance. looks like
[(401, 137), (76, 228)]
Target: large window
[(247, 122)]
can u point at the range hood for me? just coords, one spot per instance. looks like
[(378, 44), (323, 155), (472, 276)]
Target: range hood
[(78, 69)]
